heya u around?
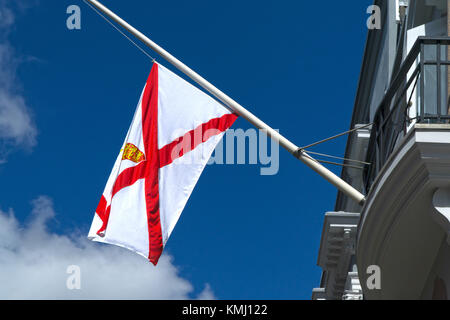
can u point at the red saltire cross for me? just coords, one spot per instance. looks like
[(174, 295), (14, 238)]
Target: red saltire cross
[(155, 159)]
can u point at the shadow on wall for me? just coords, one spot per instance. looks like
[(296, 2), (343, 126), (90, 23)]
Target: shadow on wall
[(439, 290)]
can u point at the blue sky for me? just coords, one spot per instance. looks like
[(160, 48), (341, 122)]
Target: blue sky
[(295, 64)]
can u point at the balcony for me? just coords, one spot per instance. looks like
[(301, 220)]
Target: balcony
[(415, 96), (402, 227)]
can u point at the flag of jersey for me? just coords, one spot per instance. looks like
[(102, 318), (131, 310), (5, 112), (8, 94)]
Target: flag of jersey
[(173, 134)]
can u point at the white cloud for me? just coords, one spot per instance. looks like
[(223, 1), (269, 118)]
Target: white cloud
[(34, 262), (17, 128), (6, 16), (207, 293)]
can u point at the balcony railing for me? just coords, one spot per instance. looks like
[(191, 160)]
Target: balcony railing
[(418, 94)]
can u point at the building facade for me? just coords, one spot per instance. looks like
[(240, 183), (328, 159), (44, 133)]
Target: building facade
[(396, 246)]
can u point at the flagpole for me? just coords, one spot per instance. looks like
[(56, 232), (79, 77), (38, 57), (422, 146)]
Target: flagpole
[(237, 108)]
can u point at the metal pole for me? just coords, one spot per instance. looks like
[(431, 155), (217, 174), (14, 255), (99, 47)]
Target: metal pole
[(233, 105)]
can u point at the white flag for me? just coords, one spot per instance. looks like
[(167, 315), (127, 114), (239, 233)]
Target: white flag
[(173, 134)]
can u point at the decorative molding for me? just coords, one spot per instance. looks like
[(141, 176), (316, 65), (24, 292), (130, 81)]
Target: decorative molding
[(319, 294), (337, 247), (353, 290), (397, 228)]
